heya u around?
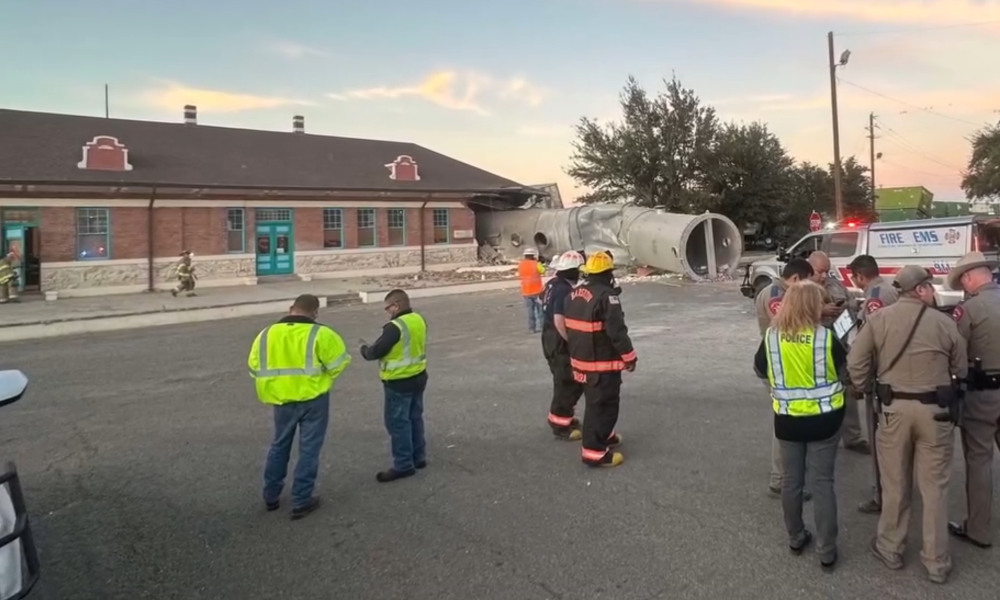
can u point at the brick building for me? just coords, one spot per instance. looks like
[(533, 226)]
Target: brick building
[(102, 206)]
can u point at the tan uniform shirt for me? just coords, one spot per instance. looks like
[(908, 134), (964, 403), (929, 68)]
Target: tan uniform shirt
[(978, 320), (935, 352), (835, 292), (767, 303), (878, 295)]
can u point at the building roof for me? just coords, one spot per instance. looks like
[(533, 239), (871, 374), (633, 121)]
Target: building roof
[(38, 146)]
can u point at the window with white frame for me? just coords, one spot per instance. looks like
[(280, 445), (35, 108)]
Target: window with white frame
[(93, 233), (366, 227), (333, 228), (441, 223), (397, 226), (235, 231)]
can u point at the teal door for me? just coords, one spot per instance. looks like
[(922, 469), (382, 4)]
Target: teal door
[(275, 251), (13, 241)]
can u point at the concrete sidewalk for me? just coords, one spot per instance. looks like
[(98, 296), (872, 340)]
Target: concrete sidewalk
[(34, 317)]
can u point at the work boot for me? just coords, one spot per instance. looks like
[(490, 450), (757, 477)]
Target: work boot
[(958, 530), (797, 549), (569, 435), (392, 475), (420, 464), (870, 507), (614, 441), (301, 511), (892, 562), (611, 459)]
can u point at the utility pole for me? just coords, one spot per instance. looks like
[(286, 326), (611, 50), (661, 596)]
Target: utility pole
[(838, 197), (107, 104), (871, 149)]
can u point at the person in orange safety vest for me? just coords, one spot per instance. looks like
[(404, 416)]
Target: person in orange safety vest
[(530, 272), (599, 349)]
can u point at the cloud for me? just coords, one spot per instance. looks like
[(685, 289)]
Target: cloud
[(293, 50), (455, 91), (910, 12), (564, 131), (173, 96)]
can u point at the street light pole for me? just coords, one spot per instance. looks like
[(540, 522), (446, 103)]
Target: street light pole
[(838, 198)]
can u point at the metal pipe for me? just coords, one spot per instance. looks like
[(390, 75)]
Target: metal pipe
[(423, 236), (150, 236), (699, 246)]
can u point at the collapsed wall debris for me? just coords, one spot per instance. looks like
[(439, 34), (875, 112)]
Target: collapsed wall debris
[(701, 246)]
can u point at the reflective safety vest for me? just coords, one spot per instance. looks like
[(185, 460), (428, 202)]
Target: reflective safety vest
[(530, 272), (801, 372), (6, 271), (408, 356), (295, 362)]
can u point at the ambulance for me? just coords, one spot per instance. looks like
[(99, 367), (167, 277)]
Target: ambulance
[(935, 244)]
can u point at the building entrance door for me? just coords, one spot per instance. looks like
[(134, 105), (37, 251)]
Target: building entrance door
[(275, 249)]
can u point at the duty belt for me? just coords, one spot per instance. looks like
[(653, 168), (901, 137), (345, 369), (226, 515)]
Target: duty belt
[(922, 397), (988, 382)]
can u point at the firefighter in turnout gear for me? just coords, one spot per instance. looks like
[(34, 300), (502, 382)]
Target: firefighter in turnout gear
[(599, 349), (566, 390), (978, 320), (878, 294), (8, 278), (185, 275)]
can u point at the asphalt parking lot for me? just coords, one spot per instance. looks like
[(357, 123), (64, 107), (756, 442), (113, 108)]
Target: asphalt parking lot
[(141, 454)]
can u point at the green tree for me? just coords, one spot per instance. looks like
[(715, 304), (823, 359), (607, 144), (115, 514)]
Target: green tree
[(856, 190), (982, 178), (656, 156), (751, 178)]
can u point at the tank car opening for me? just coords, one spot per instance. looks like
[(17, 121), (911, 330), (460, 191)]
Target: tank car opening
[(712, 248), (541, 241)]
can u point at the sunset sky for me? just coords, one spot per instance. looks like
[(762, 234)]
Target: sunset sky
[(500, 84)]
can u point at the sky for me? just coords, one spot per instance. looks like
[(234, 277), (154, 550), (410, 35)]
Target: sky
[(501, 84)]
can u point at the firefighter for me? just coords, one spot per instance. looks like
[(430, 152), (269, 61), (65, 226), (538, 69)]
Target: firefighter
[(185, 275), (530, 272), (8, 278), (599, 349), (566, 391), (878, 294)]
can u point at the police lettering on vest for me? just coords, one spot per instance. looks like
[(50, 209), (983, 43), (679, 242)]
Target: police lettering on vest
[(408, 357), (802, 374)]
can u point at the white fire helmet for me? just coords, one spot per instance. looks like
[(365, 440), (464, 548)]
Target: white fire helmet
[(567, 260)]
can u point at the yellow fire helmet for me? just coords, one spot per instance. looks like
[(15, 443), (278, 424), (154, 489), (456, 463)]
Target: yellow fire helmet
[(598, 262)]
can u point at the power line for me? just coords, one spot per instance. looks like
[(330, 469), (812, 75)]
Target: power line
[(910, 104), (899, 140), (916, 29), (911, 169)]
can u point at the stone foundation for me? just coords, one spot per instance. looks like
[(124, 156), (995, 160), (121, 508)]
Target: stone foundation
[(389, 261)]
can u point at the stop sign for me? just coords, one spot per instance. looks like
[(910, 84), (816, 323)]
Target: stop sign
[(815, 221)]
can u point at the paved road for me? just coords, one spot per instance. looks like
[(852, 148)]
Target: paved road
[(141, 454)]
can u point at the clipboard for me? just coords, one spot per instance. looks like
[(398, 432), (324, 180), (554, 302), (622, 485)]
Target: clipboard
[(845, 327)]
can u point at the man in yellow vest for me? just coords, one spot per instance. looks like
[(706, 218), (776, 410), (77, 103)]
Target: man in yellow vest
[(401, 352), (294, 363)]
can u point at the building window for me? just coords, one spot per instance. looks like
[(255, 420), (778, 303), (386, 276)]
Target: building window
[(397, 227), (93, 237), (273, 214), (366, 227), (441, 225), (235, 231), (333, 228)]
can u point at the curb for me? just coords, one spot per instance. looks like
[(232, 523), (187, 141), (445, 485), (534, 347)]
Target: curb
[(376, 296)]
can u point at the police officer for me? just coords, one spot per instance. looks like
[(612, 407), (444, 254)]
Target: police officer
[(978, 320), (401, 352), (767, 303), (911, 351), (836, 303), (878, 294), (600, 349), (566, 391), (294, 363)]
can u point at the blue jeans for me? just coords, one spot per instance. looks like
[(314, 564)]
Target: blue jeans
[(310, 418), (533, 304), (404, 420)]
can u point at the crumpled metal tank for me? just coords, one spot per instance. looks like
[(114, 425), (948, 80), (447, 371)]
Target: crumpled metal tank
[(699, 246)]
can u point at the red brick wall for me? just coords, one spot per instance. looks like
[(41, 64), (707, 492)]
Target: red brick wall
[(308, 228), (58, 233)]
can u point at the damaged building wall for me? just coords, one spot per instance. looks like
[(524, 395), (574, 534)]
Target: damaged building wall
[(699, 246)]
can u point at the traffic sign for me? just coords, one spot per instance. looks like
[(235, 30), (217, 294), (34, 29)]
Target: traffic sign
[(815, 221)]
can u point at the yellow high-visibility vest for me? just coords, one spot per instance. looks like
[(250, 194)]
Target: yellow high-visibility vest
[(295, 362), (801, 372), (408, 356)]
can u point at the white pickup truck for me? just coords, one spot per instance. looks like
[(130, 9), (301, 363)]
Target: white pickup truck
[(19, 564), (935, 244)]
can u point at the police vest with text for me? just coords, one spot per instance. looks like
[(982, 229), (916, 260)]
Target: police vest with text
[(408, 357), (801, 372)]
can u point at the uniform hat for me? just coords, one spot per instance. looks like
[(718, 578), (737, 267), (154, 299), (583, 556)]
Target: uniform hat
[(910, 276), (972, 260)]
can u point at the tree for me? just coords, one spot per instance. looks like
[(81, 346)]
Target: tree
[(982, 178), (752, 178), (656, 156)]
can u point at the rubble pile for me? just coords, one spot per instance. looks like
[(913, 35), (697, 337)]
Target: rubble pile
[(488, 255)]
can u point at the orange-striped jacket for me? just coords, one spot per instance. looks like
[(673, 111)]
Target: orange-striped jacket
[(598, 337)]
